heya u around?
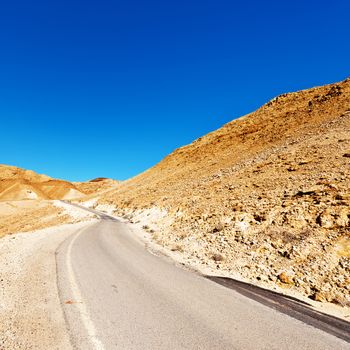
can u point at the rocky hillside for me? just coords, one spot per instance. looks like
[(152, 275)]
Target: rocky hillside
[(265, 197), (19, 184)]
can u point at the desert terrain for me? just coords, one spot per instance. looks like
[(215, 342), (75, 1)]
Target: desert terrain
[(34, 221), (264, 198), (31, 201)]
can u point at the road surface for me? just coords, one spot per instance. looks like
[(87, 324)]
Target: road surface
[(117, 295)]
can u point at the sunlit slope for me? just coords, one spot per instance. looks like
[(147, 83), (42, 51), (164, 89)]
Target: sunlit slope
[(19, 184), (265, 197), (284, 120), (97, 186)]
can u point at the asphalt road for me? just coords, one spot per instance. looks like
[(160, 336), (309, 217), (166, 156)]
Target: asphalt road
[(117, 295)]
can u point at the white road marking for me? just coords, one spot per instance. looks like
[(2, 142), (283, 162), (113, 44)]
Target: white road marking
[(83, 311)]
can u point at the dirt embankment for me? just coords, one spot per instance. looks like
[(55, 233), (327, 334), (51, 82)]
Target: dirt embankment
[(265, 197), (25, 216)]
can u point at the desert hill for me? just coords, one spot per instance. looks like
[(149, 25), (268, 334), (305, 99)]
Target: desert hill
[(12, 172), (265, 196), (19, 184), (97, 186)]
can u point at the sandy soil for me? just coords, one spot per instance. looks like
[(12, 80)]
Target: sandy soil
[(30, 311), (31, 215)]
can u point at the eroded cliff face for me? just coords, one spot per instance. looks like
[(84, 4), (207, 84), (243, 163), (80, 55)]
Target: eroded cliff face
[(266, 196)]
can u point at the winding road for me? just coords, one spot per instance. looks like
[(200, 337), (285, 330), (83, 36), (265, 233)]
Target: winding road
[(117, 295)]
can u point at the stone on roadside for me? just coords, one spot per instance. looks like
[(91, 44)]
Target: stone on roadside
[(285, 278)]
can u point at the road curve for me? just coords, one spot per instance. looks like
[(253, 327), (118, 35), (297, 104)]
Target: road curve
[(117, 295)]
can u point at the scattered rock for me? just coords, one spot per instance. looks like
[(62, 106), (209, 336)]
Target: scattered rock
[(219, 227), (318, 296), (325, 219), (217, 257), (285, 278)]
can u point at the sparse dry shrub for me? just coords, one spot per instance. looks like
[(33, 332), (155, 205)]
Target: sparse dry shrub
[(218, 228), (177, 248), (287, 236), (217, 257), (183, 235)]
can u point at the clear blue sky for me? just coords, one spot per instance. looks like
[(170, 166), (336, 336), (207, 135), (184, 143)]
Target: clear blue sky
[(108, 88)]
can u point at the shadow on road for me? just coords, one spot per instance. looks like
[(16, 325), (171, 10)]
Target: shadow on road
[(293, 307)]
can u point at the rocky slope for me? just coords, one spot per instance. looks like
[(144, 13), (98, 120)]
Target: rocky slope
[(265, 197)]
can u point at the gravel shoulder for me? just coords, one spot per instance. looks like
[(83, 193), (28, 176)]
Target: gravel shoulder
[(30, 311)]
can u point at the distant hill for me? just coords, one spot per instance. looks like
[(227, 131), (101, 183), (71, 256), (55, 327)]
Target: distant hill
[(97, 186), (20, 184)]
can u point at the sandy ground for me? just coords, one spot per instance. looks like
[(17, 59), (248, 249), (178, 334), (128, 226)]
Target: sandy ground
[(31, 215), (74, 212), (30, 311), (11, 207)]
